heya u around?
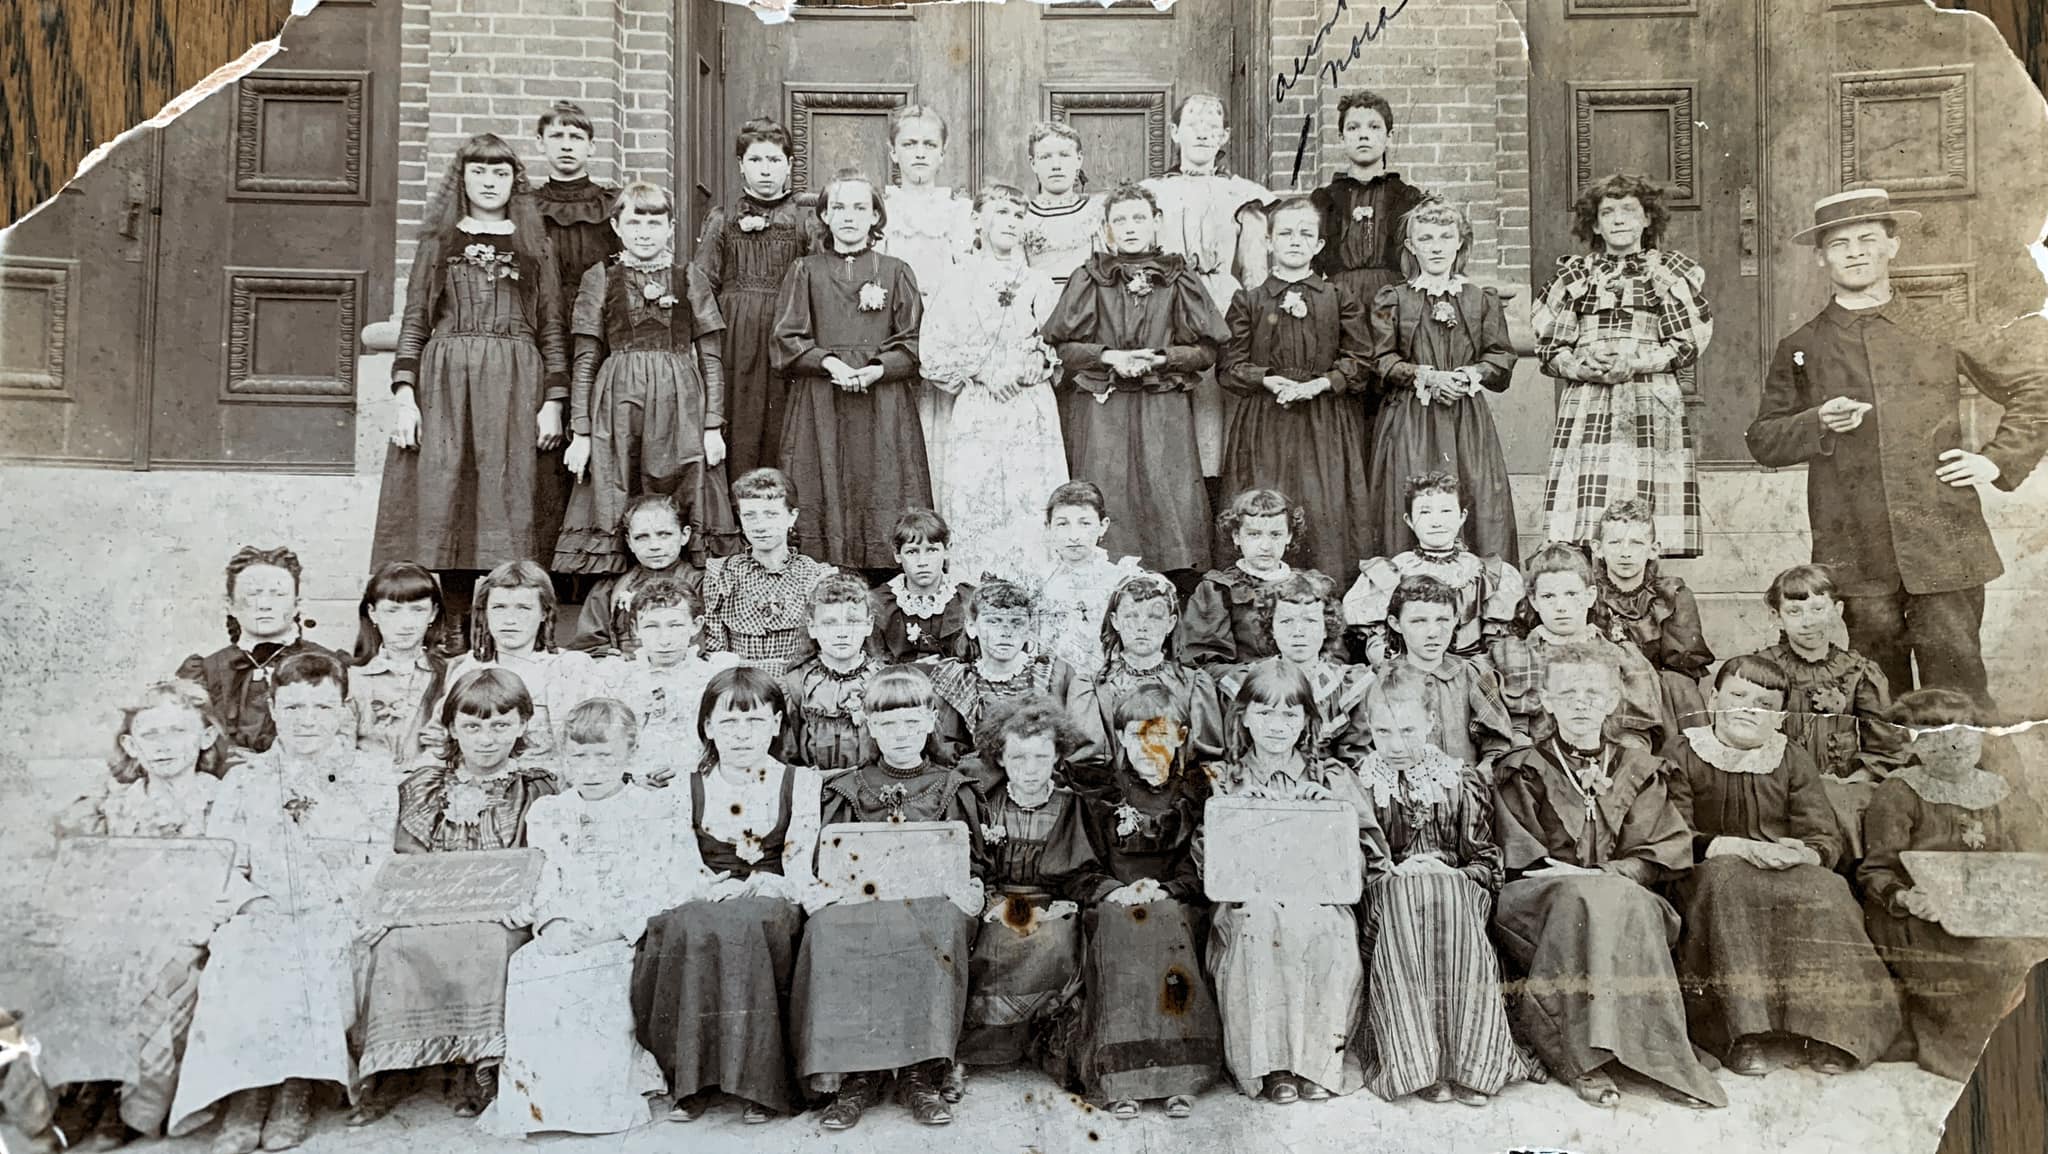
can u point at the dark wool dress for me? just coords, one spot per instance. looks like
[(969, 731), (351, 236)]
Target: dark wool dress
[(639, 393), (1466, 328), (881, 985), (484, 348), (1025, 959), (577, 216), (1227, 622), (1135, 436), (857, 459), (1771, 951), (237, 681), (1955, 989), (1314, 451), (1362, 231), (712, 980), (1149, 1027), (1596, 949)]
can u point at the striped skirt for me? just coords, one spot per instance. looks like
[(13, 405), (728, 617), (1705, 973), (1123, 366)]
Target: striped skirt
[(1433, 1012)]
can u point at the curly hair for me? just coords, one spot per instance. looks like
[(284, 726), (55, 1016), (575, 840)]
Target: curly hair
[(1128, 191), (1436, 210), (1263, 503), (1027, 716), (1435, 481), (1367, 99), (214, 759), (1416, 589), (1307, 587), (760, 130), (1048, 129), (1620, 186)]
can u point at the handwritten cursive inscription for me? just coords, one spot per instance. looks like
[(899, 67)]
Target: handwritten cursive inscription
[(1328, 71)]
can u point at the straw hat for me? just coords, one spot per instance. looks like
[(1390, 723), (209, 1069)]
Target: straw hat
[(1852, 207)]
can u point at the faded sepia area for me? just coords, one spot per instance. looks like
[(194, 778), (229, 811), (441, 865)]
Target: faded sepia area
[(204, 347)]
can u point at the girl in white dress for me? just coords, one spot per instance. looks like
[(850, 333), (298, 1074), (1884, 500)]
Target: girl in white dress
[(1063, 222), (980, 343)]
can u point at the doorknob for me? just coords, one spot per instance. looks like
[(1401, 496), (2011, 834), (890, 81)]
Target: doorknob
[(1749, 230)]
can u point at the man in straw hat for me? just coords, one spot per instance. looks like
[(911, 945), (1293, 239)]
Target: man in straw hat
[(1865, 395)]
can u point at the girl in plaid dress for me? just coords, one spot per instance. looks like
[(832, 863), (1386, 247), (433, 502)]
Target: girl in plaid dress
[(1618, 324)]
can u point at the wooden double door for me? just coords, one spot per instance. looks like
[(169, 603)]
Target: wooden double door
[(1749, 111), (993, 70), (196, 299)]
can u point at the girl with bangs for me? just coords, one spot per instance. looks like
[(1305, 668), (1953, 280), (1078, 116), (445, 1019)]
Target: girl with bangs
[(712, 979), (398, 667), (436, 994), (1303, 618), (1138, 643), (472, 477), (881, 987), (1289, 979), (517, 633)]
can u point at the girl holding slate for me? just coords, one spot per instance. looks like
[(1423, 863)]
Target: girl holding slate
[(711, 983), (880, 986), (1289, 979), (437, 993)]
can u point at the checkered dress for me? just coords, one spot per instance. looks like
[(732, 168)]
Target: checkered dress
[(1614, 442)]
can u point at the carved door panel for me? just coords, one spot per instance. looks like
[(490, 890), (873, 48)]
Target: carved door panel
[(278, 203), (1929, 106), (833, 75), (1667, 88), (73, 282), (1113, 73)]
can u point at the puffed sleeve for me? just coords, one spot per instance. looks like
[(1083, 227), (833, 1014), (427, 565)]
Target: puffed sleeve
[(800, 839), (1074, 330), (1813, 819), (1479, 855), (1069, 862), (1680, 789), (795, 351), (1685, 322), (947, 351), (1390, 356), (898, 354), (1352, 371), (1205, 726), (1198, 329), (1206, 636), (551, 829), (1517, 805), (1239, 372), (1887, 832), (709, 257), (1654, 842), (1503, 598), (1095, 752), (87, 815), (1682, 644), (1556, 320), (1495, 360)]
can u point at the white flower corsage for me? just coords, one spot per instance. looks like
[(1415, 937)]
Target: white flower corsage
[(1362, 212), (1035, 242), (1293, 305), (1126, 820), (1444, 313), (753, 222), (1799, 358), (993, 834), (1140, 284), (872, 297), (493, 260), (654, 294), (913, 631)]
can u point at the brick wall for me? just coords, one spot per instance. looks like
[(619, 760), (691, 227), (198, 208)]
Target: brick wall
[(471, 66), (1456, 72)]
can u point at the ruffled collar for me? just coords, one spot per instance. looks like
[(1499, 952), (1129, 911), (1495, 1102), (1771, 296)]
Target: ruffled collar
[(1981, 789), (1450, 284), (1383, 176), (1430, 778), (1154, 266), (475, 227), (1636, 601), (662, 262), (1274, 578), (577, 188), (748, 201), (922, 604), (1763, 760)]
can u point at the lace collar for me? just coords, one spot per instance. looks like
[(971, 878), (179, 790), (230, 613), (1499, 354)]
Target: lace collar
[(1982, 789), (1430, 779), (1273, 578), (1450, 284), (922, 604), (1763, 760), (661, 262), (475, 227)]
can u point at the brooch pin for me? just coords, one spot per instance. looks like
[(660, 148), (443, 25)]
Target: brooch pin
[(993, 834), (1444, 314), (1126, 820), (872, 296), (654, 294), (753, 222), (1140, 284), (1293, 305), (913, 631), (1973, 834), (298, 806)]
